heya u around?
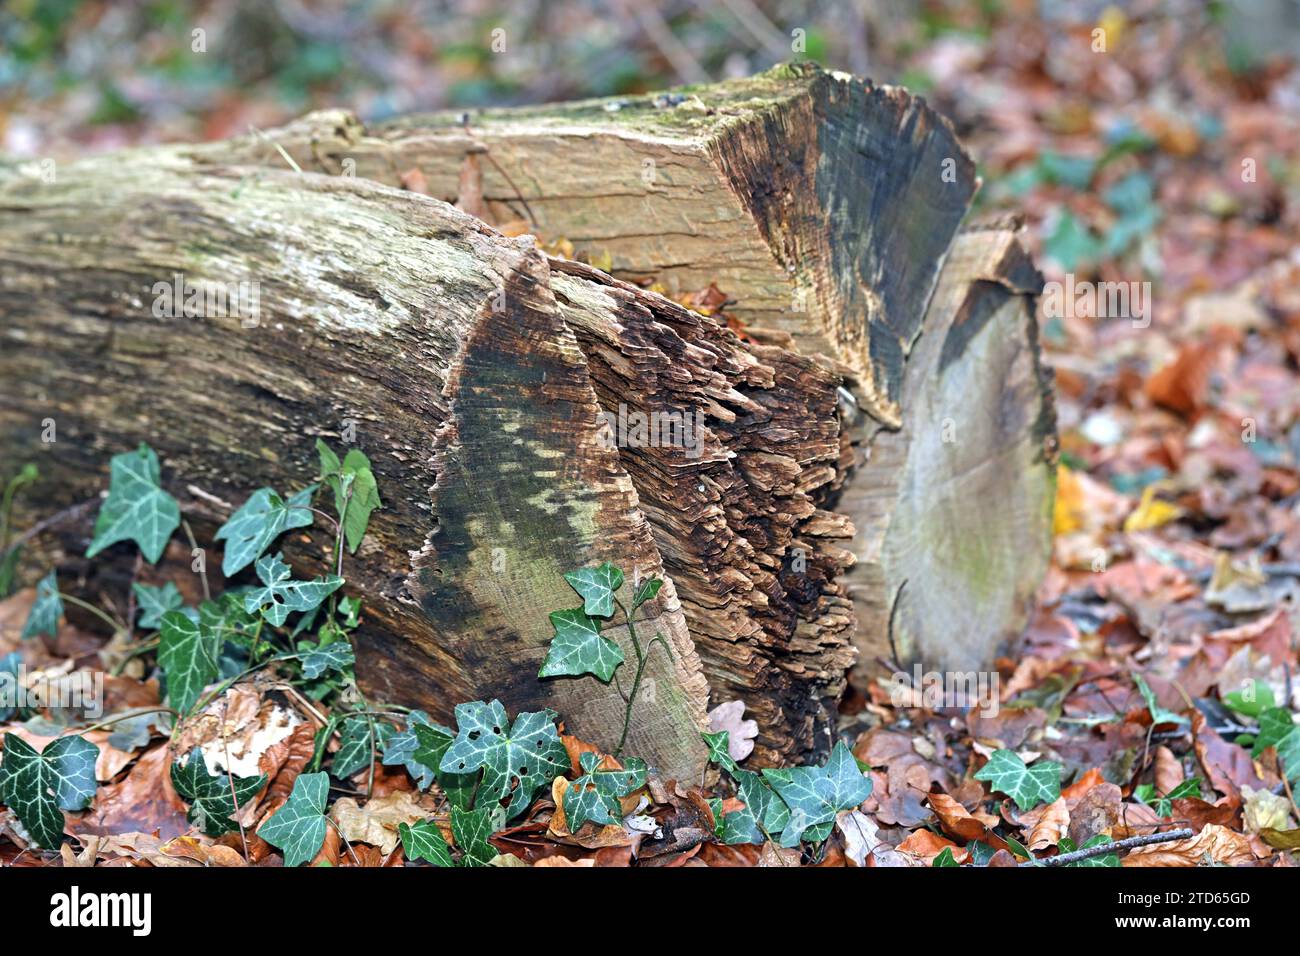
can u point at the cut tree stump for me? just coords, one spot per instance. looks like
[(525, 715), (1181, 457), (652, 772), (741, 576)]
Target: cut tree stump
[(828, 211), (876, 431)]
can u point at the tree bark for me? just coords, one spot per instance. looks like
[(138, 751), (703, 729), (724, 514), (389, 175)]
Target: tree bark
[(828, 210), (438, 337)]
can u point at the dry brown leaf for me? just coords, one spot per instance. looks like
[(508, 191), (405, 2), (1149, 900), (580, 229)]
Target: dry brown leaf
[(376, 823), (1214, 843), (1052, 824), (955, 819)]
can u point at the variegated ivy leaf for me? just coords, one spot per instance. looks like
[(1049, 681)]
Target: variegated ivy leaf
[(646, 592), (298, 827), (597, 586), (187, 653), (763, 816), (360, 738), (136, 509), (213, 798), (1106, 859), (424, 841), (226, 619), (595, 795), (528, 753), (154, 602), (472, 830), (401, 747), (326, 659), (578, 648), (38, 786), (1278, 729), (280, 594), (719, 745), (259, 521), (432, 741), (1027, 785), (815, 794), (46, 610)]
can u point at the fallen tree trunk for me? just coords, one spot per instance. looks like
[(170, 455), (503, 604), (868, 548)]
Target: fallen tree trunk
[(828, 211), (824, 208), (439, 338)]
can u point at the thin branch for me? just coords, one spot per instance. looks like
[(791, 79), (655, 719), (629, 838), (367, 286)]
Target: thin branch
[(1102, 849)]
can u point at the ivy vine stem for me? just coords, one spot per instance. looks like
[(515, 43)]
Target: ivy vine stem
[(641, 657)]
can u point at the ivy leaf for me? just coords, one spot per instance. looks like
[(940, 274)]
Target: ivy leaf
[(530, 752), (1028, 786), (136, 509), (261, 519), (1158, 714), (578, 648), (298, 827), (354, 746), (280, 594), (401, 747), (815, 794), (39, 785), (472, 831), (356, 494), (1106, 859), (719, 746), (945, 858), (154, 602), (1277, 729), (597, 586), (420, 748), (327, 658), (187, 653), (424, 841), (763, 815), (213, 798), (646, 592), (595, 795), (46, 610)]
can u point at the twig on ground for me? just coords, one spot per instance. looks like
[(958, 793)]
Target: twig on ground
[(1114, 847)]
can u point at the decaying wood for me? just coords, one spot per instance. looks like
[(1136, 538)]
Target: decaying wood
[(877, 442), (825, 208), (438, 337)]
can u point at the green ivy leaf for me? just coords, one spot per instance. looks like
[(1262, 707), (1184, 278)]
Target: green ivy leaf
[(424, 841), (280, 594), (137, 509), (597, 586), (213, 798), (1252, 702), (46, 610), (764, 814), (945, 858), (187, 653), (1158, 714), (472, 831), (259, 521), (39, 785), (578, 648), (355, 744), (719, 746), (530, 752), (815, 794), (595, 795), (355, 490), (420, 748), (298, 827), (154, 602), (646, 592), (1028, 786), (1106, 859), (1278, 729), (336, 657)]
